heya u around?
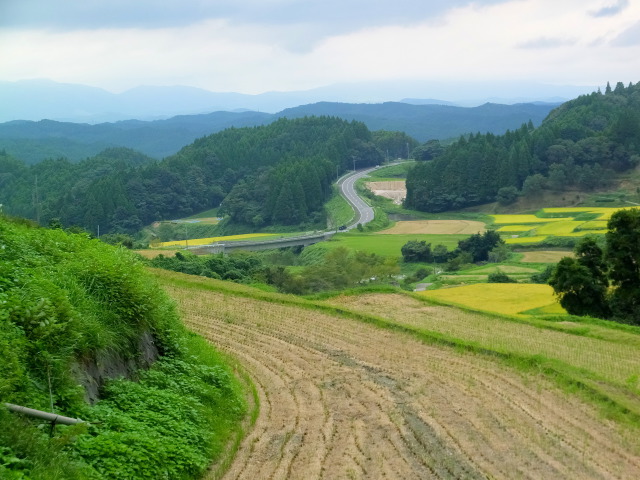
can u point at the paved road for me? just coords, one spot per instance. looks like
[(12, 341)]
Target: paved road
[(364, 213)]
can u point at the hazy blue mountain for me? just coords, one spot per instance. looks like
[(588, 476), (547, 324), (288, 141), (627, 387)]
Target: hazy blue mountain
[(35, 141), (427, 101), (425, 122), (46, 99)]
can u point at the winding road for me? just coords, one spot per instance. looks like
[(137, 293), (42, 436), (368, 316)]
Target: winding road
[(363, 212)]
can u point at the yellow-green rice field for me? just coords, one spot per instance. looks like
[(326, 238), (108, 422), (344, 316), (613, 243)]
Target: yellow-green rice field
[(559, 222), (503, 298), (207, 241)]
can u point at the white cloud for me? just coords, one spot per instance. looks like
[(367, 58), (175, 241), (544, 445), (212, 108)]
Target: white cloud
[(546, 42), (630, 37), (611, 9), (563, 43)]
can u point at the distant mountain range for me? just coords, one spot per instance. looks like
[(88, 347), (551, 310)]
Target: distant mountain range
[(46, 99), (34, 141)]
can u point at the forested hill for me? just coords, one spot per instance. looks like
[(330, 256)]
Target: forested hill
[(582, 144), (35, 141), (427, 122), (275, 174)]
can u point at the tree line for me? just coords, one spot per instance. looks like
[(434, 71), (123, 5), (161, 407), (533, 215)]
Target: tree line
[(583, 143)]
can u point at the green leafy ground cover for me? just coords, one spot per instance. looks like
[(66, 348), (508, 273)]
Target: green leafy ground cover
[(66, 300)]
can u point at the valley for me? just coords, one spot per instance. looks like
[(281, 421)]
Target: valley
[(316, 240), (467, 310)]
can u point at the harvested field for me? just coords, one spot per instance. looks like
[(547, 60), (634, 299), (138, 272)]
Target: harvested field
[(545, 256), (613, 355), (396, 190), (504, 269), (436, 227), (154, 253), (341, 398)]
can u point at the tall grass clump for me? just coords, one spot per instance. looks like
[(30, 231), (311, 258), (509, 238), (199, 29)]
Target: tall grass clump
[(70, 306)]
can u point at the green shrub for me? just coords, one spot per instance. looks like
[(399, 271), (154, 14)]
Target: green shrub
[(64, 298), (500, 277)]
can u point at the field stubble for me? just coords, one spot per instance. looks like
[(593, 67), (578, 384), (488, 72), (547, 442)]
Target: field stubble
[(344, 399), (436, 227)]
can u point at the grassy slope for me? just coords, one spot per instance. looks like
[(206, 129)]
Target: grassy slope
[(69, 300)]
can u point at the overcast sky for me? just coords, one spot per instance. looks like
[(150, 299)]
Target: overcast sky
[(253, 46)]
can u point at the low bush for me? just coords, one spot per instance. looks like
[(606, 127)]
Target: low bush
[(500, 277), (67, 300)]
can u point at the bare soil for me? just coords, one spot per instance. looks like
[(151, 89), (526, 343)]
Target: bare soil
[(395, 190), (442, 227), (341, 399)]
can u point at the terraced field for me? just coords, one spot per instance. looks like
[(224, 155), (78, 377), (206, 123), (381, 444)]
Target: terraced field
[(558, 222), (342, 398), (435, 227)]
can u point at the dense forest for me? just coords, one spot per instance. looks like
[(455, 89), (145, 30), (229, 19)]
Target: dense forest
[(582, 144), (35, 141), (275, 174)]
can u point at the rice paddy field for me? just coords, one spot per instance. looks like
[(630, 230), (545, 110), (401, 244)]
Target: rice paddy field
[(544, 256), (387, 245), (607, 353), (386, 386), (207, 241), (502, 298), (435, 227), (518, 272), (557, 222)]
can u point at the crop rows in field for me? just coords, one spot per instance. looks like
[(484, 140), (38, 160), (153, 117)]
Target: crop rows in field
[(559, 222), (344, 399), (613, 357)]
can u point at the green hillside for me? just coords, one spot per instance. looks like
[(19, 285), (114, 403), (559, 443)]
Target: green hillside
[(35, 141), (247, 169), (582, 144)]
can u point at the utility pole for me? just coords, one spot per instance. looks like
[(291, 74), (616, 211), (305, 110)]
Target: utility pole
[(186, 237)]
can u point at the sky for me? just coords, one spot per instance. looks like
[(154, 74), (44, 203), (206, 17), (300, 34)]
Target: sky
[(255, 46)]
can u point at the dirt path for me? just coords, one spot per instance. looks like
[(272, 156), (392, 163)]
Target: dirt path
[(342, 399)]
